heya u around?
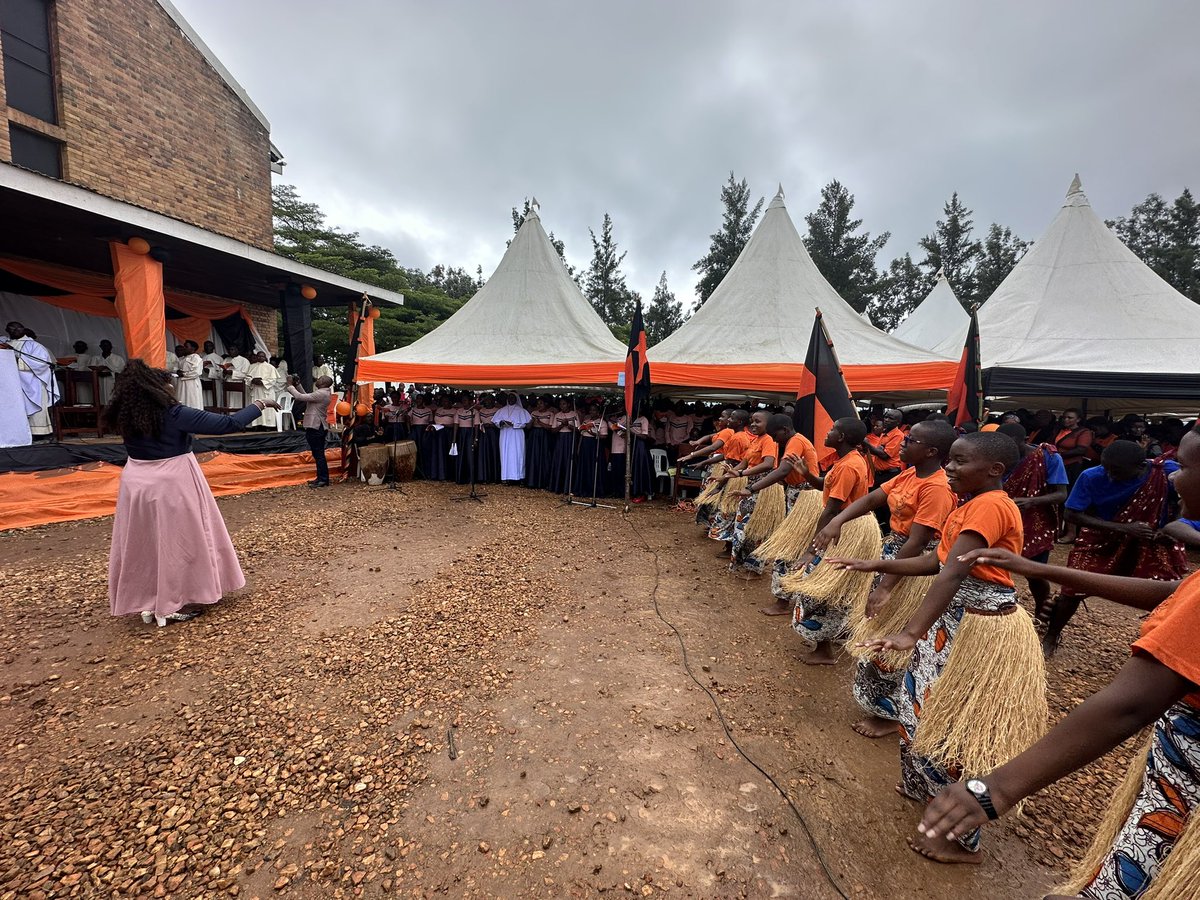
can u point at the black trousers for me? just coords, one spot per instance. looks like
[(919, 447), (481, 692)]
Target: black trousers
[(316, 443)]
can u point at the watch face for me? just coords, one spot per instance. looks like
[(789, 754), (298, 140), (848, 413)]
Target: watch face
[(975, 786)]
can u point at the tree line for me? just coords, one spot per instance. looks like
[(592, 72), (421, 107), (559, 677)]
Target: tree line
[(1165, 236)]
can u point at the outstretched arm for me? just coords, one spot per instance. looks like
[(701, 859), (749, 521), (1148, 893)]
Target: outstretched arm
[(860, 507), (1142, 691)]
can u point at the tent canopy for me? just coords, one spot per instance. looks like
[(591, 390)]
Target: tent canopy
[(939, 323), (1080, 316), (528, 326), (752, 333)]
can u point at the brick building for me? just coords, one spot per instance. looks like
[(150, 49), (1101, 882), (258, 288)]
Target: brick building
[(117, 121)]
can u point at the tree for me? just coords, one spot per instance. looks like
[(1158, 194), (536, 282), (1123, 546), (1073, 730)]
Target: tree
[(899, 292), (480, 281), (1001, 251), (664, 314), (951, 249), (736, 227), (846, 259), (603, 283), (1167, 239)]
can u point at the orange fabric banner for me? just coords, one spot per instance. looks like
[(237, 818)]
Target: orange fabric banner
[(140, 304), (366, 347), (191, 329), (574, 374), (90, 491), (76, 281)]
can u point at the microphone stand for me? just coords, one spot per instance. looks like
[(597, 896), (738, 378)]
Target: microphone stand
[(595, 469), (570, 492), (474, 495)]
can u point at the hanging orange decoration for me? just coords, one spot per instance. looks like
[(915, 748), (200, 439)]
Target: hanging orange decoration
[(362, 410), (374, 313), (139, 245), (343, 408), (308, 292)]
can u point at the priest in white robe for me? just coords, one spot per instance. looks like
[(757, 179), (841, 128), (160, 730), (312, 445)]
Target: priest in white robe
[(321, 369), (191, 367), (262, 383), (83, 363), (108, 365), (236, 366), (39, 390), (281, 367), (512, 420)]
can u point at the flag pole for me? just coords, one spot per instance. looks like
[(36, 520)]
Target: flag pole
[(629, 439)]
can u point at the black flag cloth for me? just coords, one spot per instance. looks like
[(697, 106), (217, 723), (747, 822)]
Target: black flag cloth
[(637, 368), (964, 400), (823, 397)]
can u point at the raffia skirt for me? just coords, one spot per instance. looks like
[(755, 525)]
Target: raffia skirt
[(170, 548)]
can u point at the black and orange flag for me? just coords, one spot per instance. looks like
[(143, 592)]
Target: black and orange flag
[(964, 400), (637, 367), (823, 397)]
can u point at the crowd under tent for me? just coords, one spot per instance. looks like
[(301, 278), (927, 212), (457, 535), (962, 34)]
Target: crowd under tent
[(529, 326), (1082, 321), (938, 324), (751, 335)]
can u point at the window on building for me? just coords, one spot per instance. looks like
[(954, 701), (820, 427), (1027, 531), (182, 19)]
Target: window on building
[(35, 151), (28, 61)]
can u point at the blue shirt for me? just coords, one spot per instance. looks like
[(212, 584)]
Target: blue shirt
[(1056, 472), (1098, 495), (180, 423)]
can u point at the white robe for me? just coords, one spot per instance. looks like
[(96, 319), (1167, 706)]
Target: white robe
[(512, 441), (266, 391), (172, 362), (238, 366), (213, 369), (35, 364), (282, 369), (116, 365), (188, 390), (321, 370)]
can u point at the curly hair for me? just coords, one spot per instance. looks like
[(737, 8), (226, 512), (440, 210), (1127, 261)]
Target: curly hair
[(141, 394)]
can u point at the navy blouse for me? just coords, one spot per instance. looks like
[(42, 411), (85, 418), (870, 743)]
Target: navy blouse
[(180, 423)]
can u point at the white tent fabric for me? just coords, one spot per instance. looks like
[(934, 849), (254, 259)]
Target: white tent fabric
[(939, 323), (529, 312), (762, 311), (1081, 301)]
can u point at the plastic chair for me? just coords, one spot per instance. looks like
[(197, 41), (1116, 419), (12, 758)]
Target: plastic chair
[(285, 402), (659, 458)]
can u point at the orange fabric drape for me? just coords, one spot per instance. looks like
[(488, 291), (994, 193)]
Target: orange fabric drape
[(366, 347), (76, 281), (191, 329), (601, 374), (140, 304), (90, 491)]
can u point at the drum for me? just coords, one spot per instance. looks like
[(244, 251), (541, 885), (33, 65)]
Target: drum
[(372, 463), (404, 459)]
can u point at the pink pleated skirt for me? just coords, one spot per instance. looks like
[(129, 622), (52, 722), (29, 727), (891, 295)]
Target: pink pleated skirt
[(170, 548)]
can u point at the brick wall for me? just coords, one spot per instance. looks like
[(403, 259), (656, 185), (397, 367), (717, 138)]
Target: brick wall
[(265, 321), (145, 119)]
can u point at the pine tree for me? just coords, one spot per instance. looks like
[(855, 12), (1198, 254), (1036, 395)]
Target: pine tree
[(1147, 232), (900, 291), (664, 314), (1183, 259), (736, 227), (1002, 250), (951, 249), (604, 284), (846, 259), (480, 281)]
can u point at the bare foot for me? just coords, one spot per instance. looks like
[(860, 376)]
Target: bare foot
[(777, 609), (819, 658), (875, 727), (941, 850)]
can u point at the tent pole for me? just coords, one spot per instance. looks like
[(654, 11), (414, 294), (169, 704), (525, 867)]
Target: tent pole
[(630, 437)]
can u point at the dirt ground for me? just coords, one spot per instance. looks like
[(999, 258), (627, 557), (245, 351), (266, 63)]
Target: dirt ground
[(418, 697)]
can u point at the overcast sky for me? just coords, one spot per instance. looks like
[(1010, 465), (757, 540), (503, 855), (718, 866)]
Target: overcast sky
[(421, 124)]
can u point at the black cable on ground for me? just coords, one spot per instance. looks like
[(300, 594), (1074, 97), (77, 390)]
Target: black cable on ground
[(829, 876)]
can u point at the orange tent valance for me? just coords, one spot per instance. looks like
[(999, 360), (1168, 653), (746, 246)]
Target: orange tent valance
[(784, 378), (602, 374)]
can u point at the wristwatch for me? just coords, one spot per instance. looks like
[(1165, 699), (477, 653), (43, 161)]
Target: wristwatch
[(980, 792)]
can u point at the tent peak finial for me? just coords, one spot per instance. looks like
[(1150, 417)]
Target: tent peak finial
[(1075, 194), (941, 273), (778, 198), (1076, 186), (534, 206)]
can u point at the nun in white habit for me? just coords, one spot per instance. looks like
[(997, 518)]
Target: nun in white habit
[(512, 421)]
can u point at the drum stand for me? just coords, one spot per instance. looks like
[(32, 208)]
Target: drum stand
[(474, 495)]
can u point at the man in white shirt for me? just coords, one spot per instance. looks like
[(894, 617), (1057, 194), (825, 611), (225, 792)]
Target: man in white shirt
[(320, 369), (212, 360), (35, 365), (236, 366), (110, 365), (262, 383), (83, 363), (191, 367), (281, 367)]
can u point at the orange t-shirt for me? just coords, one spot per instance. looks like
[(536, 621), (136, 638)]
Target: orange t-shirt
[(994, 517), (848, 479), (760, 448), (723, 436), (802, 447), (1170, 633), (919, 501), (890, 442), (735, 448)]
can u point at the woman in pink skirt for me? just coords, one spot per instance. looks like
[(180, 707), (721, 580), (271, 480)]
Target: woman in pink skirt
[(170, 548)]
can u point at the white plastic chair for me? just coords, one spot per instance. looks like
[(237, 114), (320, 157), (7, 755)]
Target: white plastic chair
[(285, 409), (659, 458)]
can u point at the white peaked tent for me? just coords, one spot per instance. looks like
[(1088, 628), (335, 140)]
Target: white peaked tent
[(939, 323), (1080, 317), (752, 334), (528, 326)]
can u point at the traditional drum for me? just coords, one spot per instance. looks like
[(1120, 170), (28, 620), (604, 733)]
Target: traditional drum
[(404, 459), (372, 463)]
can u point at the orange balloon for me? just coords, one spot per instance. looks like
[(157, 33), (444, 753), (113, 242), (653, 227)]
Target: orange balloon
[(308, 292), (361, 410), (343, 408), (140, 246), (374, 313)]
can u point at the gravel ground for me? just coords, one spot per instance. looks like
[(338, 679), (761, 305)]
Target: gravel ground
[(413, 697)]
